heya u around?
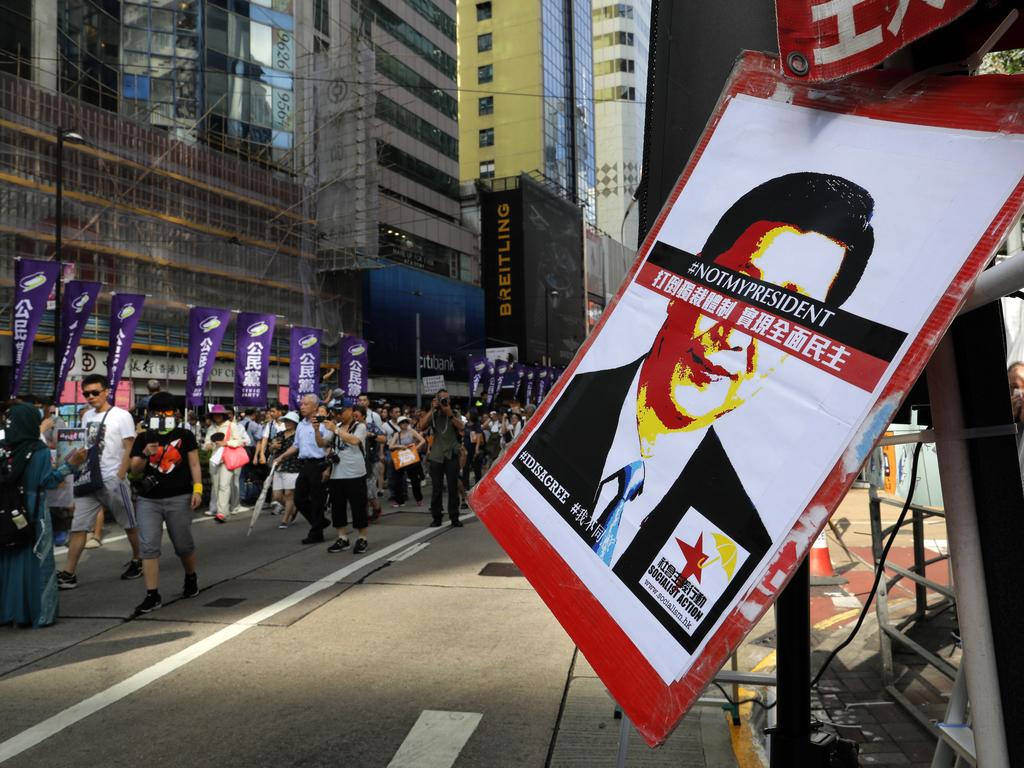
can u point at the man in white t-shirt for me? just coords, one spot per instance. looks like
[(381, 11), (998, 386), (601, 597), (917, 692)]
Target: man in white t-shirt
[(109, 435)]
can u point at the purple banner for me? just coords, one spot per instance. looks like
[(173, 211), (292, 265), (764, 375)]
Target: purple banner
[(531, 385), (518, 374), (501, 369), (354, 376), (304, 364), (253, 336), (76, 308), (33, 281), (492, 383), (125, 313), (543, 382), (206, 328), (477, 372)]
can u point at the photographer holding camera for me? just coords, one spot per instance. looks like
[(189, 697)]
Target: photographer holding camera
[(443, 456), (165, 467), (347, 487)]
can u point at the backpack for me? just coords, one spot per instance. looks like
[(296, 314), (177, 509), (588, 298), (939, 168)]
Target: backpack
[(16, 530)]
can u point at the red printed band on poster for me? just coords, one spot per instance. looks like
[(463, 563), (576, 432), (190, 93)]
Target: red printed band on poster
[(831, 39), (861, 361), (805, 266)]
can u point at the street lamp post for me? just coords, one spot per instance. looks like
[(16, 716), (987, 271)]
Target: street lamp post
[(552, 294), (74, 138)]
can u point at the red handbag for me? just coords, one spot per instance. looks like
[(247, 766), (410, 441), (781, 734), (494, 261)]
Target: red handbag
[(234, 457)]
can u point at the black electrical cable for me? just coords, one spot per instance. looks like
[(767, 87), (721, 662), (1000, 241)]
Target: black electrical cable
[(751, 700), (879, 569)]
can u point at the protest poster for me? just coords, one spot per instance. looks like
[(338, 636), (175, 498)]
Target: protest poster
[(432, 384), (809, 259), (69, 440)]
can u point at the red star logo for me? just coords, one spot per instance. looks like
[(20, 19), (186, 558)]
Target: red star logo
[(695, 556)]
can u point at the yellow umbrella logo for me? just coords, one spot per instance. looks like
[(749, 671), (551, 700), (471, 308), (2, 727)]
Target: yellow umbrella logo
[(726, 549)]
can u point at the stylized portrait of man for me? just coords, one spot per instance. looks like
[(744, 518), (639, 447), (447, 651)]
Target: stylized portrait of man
[(634, 451)]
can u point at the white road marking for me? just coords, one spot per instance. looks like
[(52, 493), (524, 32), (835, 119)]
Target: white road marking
[(436, 739), (410, 552), (846, 601), (40, 732)]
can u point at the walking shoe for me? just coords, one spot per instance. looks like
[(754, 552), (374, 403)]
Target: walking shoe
[(66, 580), (219, 517), (282, 525), (60, 538), (151, 603), (435, 523), (456, 524), (92, 542), (340, 546), (464, 505), (361, 546), (313, 540), (191, 588), (133, 570), (209, 513)]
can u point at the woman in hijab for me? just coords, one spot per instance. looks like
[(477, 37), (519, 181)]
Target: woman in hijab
[(28, 579)]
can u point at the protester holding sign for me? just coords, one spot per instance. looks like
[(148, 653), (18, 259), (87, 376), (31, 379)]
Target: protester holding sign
[(165, 458), (109, 435), (28, 584), (408, 440)]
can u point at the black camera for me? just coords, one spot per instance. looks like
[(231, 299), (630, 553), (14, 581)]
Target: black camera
[(329, 461), (320, 419), (444, 402), (147, 484)]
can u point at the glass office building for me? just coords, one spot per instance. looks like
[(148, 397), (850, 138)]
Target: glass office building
[(221, 71)]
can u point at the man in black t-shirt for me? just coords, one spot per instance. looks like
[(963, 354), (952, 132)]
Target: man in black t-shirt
[(165, 468)]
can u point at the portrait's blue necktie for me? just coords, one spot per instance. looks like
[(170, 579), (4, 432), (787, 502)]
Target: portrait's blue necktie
[(631, 482)]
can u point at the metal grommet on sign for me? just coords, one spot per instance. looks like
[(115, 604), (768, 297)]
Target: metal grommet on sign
[(797, 64)]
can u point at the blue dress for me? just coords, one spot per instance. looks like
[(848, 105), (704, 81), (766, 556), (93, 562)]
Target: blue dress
[(28, 577)]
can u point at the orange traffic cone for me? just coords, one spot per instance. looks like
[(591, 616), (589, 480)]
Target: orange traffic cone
[(822, 573)]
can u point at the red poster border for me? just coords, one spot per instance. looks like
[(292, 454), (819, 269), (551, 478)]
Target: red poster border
[(653, 706)]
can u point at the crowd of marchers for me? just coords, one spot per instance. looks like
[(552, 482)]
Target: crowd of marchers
[(334, 463)]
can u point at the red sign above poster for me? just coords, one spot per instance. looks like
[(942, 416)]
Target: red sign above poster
[(830, 39), (812, 254)]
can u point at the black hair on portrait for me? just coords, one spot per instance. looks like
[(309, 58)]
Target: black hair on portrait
[(811, 202)]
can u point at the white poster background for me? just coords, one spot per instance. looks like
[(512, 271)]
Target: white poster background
[(935, 190)]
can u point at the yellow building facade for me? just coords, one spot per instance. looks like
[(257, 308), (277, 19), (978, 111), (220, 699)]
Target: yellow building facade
[(500, 104)]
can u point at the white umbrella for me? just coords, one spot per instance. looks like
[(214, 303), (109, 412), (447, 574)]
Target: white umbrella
[(261, 500)]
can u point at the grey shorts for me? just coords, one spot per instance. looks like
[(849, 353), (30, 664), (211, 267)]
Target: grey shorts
[(176, 513), (115, 497)]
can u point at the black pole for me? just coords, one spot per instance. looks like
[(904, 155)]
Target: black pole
[(58, 243), (792, 735)]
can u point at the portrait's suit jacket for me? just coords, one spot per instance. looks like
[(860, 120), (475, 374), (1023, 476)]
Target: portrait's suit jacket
[(572, 445)]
